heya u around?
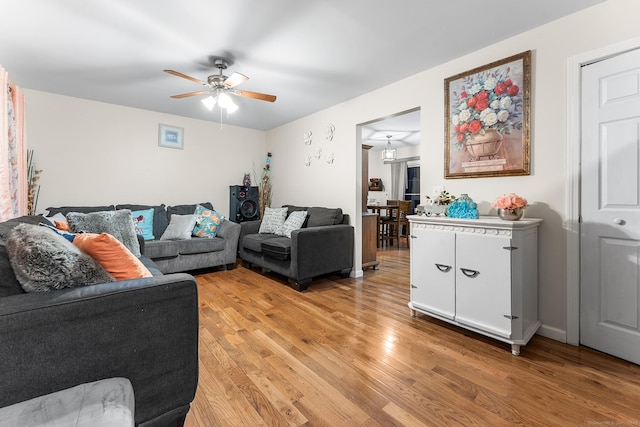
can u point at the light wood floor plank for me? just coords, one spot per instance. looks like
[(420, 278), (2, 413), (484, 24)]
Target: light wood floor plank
[(346, 352)]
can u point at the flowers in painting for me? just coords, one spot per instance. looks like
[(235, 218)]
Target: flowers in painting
[(510, 201), (486, 100)]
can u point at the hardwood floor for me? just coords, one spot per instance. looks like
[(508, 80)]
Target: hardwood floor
[(346, 352)]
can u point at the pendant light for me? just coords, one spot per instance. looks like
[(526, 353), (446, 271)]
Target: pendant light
[(389, 153)]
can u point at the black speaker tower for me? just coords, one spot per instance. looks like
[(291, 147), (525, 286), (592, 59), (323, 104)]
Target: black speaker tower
[(243, 203)]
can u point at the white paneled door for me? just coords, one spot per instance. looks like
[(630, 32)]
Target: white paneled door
[(610, 207)]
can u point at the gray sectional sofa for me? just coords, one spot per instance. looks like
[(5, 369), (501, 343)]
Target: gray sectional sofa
[(143, 329), (323, 245), (171, 256)]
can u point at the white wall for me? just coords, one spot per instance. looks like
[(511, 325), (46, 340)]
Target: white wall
[(552, 45), (94, 153), (377, 169)]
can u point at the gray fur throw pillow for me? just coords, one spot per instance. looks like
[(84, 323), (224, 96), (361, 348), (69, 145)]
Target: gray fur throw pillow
[(43, 260), (117, 223)]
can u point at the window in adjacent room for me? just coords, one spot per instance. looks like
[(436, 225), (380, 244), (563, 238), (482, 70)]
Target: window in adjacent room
[(412, 191)]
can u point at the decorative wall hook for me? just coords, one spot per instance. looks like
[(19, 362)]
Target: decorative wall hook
[(307, 136), (330, 158), (329, 132)]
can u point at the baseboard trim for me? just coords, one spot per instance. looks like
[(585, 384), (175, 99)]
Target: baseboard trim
[(553, 333), (356, 273)]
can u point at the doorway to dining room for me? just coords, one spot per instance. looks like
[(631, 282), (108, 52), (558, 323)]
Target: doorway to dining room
[(387, 178), (396, 177)]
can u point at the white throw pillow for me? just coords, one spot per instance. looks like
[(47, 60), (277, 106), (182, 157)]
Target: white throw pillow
[(180, 227), (294, 222), (272, 220)]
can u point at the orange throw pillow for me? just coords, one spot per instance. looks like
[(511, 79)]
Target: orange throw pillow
[(112, 255), (62, 225)]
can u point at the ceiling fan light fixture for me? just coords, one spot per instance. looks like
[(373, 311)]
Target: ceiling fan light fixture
[(231, 108), (209, 102), (220, 86), (225, 101)]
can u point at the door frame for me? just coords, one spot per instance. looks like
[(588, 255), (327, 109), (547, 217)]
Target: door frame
[(572, 190)]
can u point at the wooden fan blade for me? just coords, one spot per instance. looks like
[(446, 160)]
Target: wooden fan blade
[(255, 95), (234, 80), (184, 76), (186, 95)]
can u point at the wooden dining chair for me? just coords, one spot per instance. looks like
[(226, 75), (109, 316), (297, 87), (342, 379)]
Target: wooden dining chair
[(393, 226), (390, 212), (384, 220)]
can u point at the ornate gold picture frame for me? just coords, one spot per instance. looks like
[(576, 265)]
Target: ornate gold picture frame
[(487, 120)]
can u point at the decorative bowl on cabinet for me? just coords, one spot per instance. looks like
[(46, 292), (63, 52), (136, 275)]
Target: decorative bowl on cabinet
[(511, 214)]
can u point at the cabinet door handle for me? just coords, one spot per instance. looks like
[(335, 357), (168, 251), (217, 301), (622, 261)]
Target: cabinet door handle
[(443, 268), (469, 273)]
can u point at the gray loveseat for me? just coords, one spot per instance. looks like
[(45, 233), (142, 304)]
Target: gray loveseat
[(172, 256), (145, 330), (323, 245)]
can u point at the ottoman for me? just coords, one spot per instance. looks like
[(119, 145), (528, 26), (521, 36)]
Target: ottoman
[(104, 403)]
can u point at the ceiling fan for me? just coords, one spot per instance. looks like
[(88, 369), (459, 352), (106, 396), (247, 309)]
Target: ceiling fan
[(219, 84)]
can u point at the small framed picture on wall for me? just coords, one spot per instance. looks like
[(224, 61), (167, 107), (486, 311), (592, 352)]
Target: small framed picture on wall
[(171, 136)]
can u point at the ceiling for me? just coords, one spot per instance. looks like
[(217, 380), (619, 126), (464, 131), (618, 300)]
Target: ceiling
[(311, 54), (404, 130)]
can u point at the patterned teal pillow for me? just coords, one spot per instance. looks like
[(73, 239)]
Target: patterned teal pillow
[(207, 222), (143, 223)]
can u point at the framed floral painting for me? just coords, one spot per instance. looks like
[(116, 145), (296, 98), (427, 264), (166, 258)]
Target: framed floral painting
[(487, 120)]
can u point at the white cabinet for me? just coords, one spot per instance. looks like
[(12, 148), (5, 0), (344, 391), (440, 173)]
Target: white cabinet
[(478, 274)]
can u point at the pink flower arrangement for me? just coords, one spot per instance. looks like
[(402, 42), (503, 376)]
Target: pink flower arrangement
[(510, 201)]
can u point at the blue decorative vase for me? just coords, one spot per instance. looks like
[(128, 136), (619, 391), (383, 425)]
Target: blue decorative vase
[(463, 207)]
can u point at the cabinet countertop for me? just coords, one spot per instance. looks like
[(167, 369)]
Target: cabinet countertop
[(483, 221)]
